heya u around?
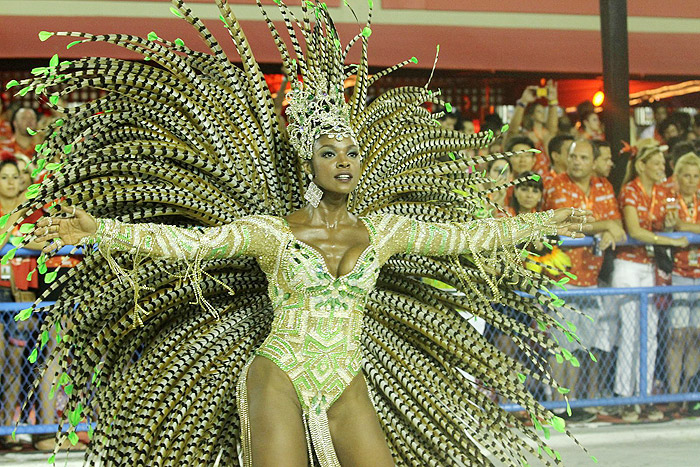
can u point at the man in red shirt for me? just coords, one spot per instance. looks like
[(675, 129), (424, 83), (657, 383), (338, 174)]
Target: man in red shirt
[(580, 187), (603, 163), (558, 150)]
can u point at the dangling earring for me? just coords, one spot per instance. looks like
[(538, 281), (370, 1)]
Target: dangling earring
[(313, 194)]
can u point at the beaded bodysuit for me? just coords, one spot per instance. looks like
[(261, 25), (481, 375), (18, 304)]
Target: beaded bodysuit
[(317, 325)]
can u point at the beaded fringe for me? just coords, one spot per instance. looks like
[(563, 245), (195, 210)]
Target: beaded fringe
[(321, 437)]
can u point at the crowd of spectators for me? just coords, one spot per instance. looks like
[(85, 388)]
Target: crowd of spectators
[(658, 194)]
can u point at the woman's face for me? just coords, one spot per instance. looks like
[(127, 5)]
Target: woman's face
[(538, 114), (528, 197), (653, 168), (592, 123), (25, 174), (500, 172), (524, 162), (9, 181), (688, 179), (336, 164)]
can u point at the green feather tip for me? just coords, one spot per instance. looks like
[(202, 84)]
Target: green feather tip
[(366, 32), (72, 44), (23, 315), (448, 107), (414, 60), (152, 36), (12, 84), (176, 12), (54, 99), (50, 277), (536, 178), (505, 128), (31, 132), (536, 151), (179, 42), (40, 70), (54, 61), (43, 35)]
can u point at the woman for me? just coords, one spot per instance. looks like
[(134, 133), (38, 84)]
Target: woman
[(499, 173), (14, 338), (527, 195), (526, 198), (17, 336), (684, 318), (591, 127), (291, 303), (644, 211)]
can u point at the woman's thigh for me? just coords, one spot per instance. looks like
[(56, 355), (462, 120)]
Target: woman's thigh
[(357, 435), (277, 434)]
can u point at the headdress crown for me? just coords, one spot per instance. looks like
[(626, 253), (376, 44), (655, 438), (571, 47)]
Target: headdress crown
[(314, 110)]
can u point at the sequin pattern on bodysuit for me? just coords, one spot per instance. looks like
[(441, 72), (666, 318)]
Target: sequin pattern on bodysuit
[(315, 335)]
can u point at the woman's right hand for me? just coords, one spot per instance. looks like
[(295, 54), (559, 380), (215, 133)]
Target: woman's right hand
[(68, 227)]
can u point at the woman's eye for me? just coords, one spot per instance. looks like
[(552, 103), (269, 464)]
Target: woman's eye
[(354, 154), (327, 154)]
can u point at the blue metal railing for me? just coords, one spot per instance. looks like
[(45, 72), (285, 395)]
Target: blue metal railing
[(644, 396)]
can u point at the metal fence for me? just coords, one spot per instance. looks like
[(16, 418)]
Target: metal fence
[(662, 323), (672, 352)]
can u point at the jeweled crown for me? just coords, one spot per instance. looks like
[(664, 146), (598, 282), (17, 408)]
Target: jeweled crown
[(316, 111)]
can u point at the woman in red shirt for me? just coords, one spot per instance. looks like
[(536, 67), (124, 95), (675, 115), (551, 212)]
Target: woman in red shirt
[(526, 198), (684, 315), (643, 205)]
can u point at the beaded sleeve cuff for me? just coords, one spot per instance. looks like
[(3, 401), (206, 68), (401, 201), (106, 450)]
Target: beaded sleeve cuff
[(498, 245)]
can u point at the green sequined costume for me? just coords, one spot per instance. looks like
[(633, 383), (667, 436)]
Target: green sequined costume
[(189, 168)]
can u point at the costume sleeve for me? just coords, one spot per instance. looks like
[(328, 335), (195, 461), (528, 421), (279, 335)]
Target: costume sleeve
[(405, 235), (248, 236)]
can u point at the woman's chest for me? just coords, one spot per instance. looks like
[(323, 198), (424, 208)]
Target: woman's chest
[(303, 268)]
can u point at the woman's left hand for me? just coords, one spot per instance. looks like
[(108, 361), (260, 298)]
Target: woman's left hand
[(573, 222), (68, 227)]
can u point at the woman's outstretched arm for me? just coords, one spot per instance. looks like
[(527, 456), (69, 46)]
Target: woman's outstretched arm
[(408, 235), (246, 236)]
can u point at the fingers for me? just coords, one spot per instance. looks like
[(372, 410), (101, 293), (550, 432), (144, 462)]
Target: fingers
[(55, 245), (68, 211), (46, 231)]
